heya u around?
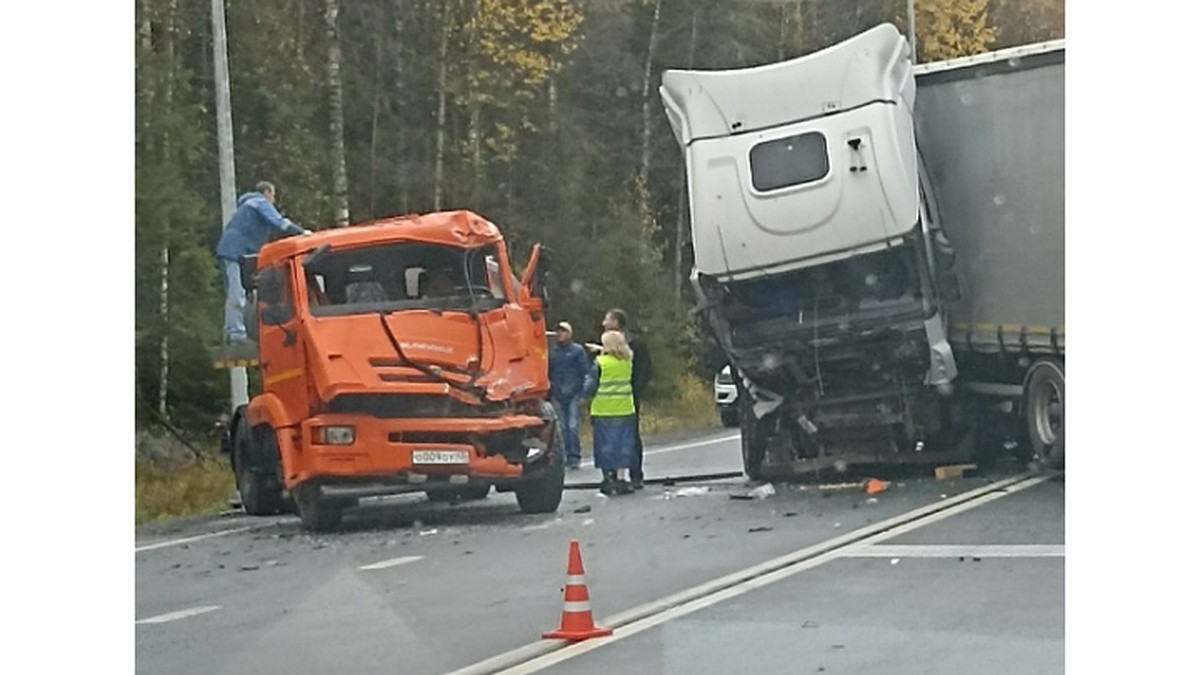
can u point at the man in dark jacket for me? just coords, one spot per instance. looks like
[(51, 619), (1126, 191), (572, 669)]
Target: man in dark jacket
[(568, 367), (246, 232), (643, 370)]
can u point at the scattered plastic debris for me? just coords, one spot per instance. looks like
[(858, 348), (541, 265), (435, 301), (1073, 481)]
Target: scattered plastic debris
[(895, 561), (589, 521), (691, 491), (249, 568), (425, 532), (584, 509), (761, 528), (763, 491), (874, 486), (872, 500), (830, 487)]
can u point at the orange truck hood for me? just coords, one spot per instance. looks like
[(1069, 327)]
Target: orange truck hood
[(356, 354)]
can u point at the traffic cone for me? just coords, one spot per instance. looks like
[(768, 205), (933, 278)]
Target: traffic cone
[(576, 622)]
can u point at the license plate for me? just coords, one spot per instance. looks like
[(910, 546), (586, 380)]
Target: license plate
[(440, 457)]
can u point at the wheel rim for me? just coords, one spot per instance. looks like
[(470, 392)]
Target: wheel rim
[(1047, 412)]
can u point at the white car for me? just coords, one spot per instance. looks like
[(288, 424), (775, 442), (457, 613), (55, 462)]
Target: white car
[(726, 394)]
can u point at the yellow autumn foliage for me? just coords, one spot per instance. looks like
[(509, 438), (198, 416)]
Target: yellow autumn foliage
[(948, 29)]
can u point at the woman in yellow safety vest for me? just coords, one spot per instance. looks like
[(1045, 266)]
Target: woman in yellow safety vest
[(610, 385)]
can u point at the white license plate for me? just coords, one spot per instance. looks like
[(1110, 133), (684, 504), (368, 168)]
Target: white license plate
[(440, 457)]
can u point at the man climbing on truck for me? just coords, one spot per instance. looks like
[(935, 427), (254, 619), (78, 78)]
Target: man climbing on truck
[(244, 234)]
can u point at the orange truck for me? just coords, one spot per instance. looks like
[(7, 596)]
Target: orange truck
[(399, 355)]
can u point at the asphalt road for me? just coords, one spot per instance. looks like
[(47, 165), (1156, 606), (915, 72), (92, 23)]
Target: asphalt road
[(413, 587)]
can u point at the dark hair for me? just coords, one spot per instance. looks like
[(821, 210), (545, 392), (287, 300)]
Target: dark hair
[(262, 186), (619, 316)]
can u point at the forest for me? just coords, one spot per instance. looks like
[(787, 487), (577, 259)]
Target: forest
[(541, 115)]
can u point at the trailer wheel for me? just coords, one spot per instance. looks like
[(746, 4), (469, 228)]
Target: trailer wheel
[(1046, 412), (317, 514), (257, 469), (544, 494)]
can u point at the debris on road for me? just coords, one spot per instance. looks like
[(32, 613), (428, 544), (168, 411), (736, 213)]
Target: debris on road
[(584, 509), (249, 568), (589, 521), (425, 532), (872, 500), (830, 487), (874, 486), (761, 492), (810, 624), (689, 492), (761, 528), (789, 514), (895, 561), (952, 471)]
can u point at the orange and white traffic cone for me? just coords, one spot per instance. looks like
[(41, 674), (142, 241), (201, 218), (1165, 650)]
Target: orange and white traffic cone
[(576, 622)]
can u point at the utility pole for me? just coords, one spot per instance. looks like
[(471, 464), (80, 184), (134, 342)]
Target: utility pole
[(912, 29), (239, 393)]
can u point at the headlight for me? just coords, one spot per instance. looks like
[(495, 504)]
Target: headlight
[(338, 435)]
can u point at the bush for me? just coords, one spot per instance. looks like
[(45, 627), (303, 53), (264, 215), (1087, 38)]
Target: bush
[(164, 491)]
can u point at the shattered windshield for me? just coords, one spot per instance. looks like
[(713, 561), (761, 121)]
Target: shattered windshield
[(404, 276)]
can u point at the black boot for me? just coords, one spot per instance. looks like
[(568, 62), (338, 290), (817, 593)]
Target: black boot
[(608, 486)]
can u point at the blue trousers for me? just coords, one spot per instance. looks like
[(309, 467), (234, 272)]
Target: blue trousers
[(235, 300), (568, 417)]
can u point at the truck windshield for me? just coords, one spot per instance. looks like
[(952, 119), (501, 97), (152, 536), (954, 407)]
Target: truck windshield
[(404, 276)]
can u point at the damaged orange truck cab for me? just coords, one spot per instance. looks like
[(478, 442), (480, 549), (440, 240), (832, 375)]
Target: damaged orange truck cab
[(396, 356)]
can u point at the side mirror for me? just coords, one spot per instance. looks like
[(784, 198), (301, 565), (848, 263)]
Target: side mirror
[(249, 266), (270, 286)]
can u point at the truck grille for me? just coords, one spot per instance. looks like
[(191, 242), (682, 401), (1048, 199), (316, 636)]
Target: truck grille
[(388, 406)]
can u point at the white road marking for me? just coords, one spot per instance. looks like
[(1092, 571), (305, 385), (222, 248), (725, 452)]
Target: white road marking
[(684, 446), (186, 540), (956, 551), (392, 563), (181, 614), (538, 655)]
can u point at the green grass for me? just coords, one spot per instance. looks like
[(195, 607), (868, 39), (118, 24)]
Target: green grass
[(161, 491)]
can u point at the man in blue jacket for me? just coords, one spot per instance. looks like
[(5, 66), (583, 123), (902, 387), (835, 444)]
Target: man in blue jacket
[(246, 232), (569, 366)]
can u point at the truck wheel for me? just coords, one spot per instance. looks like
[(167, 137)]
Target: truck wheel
[(544, 494), (754, 445), (257, 469), (1046, 412), (317, 514)]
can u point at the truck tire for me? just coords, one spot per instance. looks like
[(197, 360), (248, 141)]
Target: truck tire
[(1045, 405), (544, 494), (317, 513), (257, 469), (754, 444)]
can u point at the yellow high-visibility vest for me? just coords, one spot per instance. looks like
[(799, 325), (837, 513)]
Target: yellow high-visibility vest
[(614, 396)]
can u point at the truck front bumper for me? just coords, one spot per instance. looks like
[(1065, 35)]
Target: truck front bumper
[(413, 451)]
